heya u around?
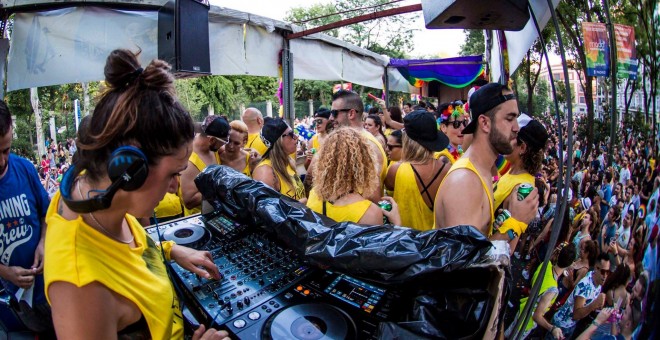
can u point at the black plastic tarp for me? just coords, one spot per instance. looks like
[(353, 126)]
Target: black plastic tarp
[(385, 254)]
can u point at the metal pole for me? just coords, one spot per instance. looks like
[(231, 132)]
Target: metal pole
[(287, 83), (386, 82), (613, 69)]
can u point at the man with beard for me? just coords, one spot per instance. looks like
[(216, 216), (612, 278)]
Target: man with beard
[(494, 125), (22, 233), (347, 109), (207, 147)]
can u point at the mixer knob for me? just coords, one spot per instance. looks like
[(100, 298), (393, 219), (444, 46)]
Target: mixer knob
[(239, 305), (230, 310), (246, 270), (253, 275), (246, 300), (261, 282)]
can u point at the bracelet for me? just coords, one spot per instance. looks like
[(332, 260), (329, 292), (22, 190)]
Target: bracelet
[(595, 323), (167, 249), (512, 227)]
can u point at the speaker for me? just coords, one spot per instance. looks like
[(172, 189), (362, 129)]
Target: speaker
[(183, 37), (508, 15)]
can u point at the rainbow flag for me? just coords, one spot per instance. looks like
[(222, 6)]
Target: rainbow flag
[(502, 164)]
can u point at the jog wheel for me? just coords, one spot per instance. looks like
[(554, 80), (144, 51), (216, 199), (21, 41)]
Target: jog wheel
[(311, 321), (189, 235)]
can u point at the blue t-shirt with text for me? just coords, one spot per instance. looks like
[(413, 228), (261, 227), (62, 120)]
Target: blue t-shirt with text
[(23, 203)]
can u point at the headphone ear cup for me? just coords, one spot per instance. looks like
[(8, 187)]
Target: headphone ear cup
[(129, 163)]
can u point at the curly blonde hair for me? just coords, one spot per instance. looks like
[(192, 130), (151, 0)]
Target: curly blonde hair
[(346, 164)]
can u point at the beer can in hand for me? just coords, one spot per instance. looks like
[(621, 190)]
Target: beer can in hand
[(499, 220), (385, 205), (524, 190)]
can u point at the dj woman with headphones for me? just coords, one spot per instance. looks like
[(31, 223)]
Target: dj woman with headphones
[(105, 278)]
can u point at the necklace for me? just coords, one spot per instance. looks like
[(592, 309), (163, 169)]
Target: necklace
[(101, 228)]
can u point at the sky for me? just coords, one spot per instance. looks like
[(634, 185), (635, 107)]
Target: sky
[(438, 43)]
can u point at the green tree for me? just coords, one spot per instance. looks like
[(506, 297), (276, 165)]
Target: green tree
[(314, 16), (474, 44), (218, 92)]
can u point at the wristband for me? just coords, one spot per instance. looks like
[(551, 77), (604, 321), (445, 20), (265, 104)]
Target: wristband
[(512, 227), (595, 323), (167, 249)]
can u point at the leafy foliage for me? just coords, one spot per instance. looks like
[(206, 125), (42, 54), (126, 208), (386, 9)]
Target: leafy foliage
[(474, 44)]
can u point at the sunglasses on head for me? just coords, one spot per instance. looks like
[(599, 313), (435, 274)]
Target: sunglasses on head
[(335, 113), (457, 123)]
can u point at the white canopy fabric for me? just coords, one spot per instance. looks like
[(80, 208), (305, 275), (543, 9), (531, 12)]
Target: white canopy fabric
[(70, 45)]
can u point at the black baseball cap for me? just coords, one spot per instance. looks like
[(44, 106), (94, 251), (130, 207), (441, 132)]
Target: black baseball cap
[(485, 99), (532, 132), (272, 131), (322, 113), (421, 127), (216, 126)]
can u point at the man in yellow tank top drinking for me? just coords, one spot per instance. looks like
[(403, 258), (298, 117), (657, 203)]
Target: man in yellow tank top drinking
[(525, 163), (465, 196)]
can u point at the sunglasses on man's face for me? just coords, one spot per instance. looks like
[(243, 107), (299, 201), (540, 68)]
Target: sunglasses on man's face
[(457, 123), (335, 113), (222, 141)]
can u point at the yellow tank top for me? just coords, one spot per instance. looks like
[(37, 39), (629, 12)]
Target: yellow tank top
[(383, 168), (413, 210), (169, 206), (447, 154), (505, 185), (352, 212), (315, 142), (200, 165), (255, 142), (78, 254), (246, 170), (464, 163), (387, 132), (297, 192)]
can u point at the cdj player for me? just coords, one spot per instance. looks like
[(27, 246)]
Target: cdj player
[(268, 292)]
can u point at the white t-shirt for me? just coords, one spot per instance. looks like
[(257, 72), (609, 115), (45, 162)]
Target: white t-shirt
[(624, 237)]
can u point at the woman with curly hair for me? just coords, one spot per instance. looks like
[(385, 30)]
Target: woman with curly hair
[(526, 161), (105, 278), (277, 169), (344, 172), (235, 156)]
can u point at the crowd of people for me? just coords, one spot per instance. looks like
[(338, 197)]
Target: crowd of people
[(461, 163)]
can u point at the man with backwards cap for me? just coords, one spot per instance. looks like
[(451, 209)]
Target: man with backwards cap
[(525, 163), (494, 125), (207, 146)]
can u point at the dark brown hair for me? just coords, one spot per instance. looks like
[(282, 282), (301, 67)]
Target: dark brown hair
[(139, 108)]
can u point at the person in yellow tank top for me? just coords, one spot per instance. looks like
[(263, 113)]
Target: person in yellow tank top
[(277, 169), (254, 121), (415, 180), (525, 163), (323, 127), (344, 170), (465, 194), (207, 146), (452, 121), (234, 155), (347, 109), (104, 277)]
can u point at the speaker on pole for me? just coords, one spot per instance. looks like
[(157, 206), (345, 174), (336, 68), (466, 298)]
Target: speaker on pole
[(183, 37)]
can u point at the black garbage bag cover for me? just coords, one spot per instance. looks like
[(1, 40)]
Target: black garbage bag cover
[(386, 254)]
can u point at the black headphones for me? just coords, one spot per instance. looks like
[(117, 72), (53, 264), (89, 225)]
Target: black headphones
[(128, 170)]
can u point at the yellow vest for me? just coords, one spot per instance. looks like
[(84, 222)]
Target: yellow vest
[(413, 210), (464, 163), (383, 168), (352, 212), (78, 254), (246, 170), (200, 165), (297, 192), (169, 206), (505, 185), (315, 142), (255, 142)]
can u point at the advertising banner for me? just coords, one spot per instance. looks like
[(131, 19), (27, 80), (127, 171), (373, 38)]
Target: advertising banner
[(596, 48), (626, 55)]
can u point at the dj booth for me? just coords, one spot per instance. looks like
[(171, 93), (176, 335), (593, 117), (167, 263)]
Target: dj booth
[(289, 273)]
